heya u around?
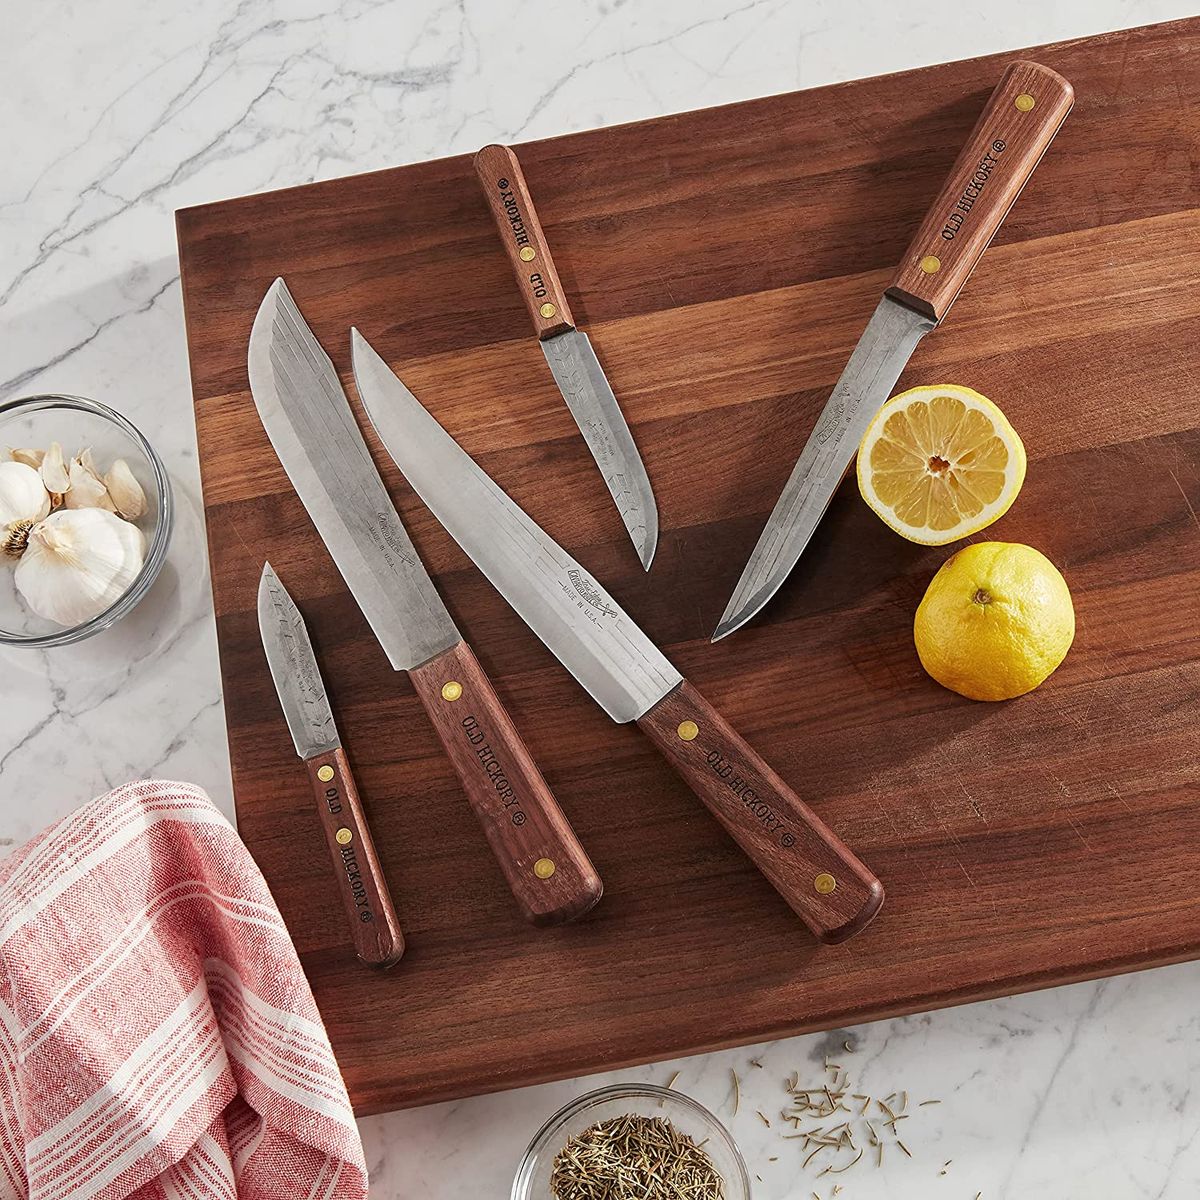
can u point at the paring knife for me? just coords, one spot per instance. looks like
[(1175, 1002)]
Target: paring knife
[(627, 675), (308, 419), (374, 927), (1020, 120), (572, 360)]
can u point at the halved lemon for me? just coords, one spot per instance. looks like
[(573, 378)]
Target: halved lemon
[(939, 463)]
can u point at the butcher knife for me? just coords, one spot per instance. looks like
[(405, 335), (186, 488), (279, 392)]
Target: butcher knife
[(374, 926), (569, 353), (308, 419), (1019, 122), (628, 676)]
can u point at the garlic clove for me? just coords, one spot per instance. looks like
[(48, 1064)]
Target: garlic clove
[(127, 495), (78, 563), (28, 456), (87, 489), (54, 470)]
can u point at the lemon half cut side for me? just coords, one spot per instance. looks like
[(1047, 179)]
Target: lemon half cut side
[(939, 463)]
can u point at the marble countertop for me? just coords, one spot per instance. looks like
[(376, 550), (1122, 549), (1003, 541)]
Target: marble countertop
[(119, 114)]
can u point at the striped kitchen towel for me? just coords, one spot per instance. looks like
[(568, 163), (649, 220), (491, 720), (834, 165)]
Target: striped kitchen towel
[(157, 1036)]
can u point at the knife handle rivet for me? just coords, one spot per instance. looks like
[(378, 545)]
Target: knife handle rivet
[(1024, 102), (528, 254), (325, 773), (544, 868), (452, 690), (688, 730), (547, 310), (344, 836), (931, 264), (824, 883)]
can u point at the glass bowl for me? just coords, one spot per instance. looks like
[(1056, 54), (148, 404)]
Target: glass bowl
[(76, 422), (644, 1099)]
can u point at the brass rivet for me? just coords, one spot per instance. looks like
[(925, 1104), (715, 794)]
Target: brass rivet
[(544, 868), (452, 690), (344, 836), (688, 730), (547, 310), (930, 264), (528, 254), (824, 883), (325, 773), (1024, 102)]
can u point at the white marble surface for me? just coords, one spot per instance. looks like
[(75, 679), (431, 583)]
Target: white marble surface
[(119, 112)]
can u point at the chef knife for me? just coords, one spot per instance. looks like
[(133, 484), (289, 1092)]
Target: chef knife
[(374, 927), (1020, 120), (568, 351), (826, 885), (308, 419)]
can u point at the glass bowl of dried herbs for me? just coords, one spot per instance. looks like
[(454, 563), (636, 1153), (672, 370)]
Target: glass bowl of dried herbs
[(632, 1142)]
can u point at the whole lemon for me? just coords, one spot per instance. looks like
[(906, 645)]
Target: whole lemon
[(995, 621)]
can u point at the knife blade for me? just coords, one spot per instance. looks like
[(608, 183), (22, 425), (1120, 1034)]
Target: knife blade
[(310, 425), (631, 679), (374, 926), (1018, 123), (568, 351)]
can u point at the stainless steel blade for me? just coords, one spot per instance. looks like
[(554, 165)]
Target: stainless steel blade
[(308, 419), (579, 621), (585, 388), (883, 350), (294, 669)]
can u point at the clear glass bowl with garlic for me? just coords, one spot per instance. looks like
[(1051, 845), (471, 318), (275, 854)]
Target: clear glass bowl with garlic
[(85, 519)]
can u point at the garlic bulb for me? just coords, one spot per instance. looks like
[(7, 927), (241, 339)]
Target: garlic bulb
[(78, 562), (125, 491), (23, 501)]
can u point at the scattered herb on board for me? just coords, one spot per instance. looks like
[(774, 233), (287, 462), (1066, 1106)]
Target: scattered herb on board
[(634, 1158)]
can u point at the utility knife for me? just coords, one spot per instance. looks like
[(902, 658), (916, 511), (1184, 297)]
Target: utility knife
[(628, 676), (568, 351), (1020, 120), (308, 419), (374, 927)]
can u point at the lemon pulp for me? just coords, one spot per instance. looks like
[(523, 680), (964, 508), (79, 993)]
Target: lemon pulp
[(939, 463)]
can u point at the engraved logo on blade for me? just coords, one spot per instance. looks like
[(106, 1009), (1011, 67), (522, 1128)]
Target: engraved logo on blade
[(382, 534), (829, 425), (589, 593)]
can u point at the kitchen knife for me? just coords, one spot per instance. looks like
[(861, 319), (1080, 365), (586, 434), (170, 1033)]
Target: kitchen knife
[(568, 351), (1018, 123), (374, 927), (830, 890), (308, 419)]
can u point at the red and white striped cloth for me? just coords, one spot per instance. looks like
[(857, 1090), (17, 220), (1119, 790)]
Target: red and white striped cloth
[(157, 1036)]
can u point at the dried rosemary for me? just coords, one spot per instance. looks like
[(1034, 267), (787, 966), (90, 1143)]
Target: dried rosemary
[(634, 1158)]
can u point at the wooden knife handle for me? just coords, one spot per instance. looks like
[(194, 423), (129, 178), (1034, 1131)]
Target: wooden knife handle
[(374, 926), (805, 861), (1019, 122), (524, 242), (547, 869)]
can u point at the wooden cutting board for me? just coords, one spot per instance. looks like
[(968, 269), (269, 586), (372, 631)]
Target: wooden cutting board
[(724, 263)]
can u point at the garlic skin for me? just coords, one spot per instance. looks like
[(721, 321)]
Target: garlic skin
[(87, 489), (78, 562), (23, 502), (126, 493), (27, 455)]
